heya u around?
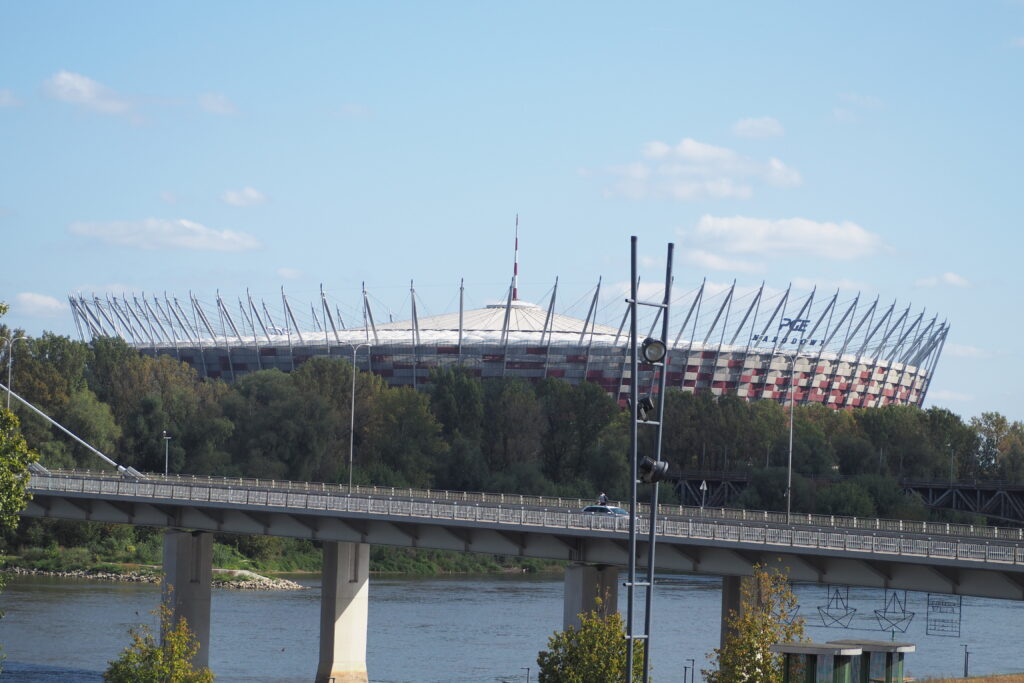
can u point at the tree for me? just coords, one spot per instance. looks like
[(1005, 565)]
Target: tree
[(766, 617), (594, 653), (846, 498), (403, 439), (146, 661), (15, 457)]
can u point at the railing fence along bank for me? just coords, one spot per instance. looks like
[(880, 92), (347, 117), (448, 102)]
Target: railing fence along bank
[(895, 537)]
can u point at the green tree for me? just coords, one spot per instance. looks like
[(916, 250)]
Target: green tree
[(170, 661), (403, 445), (280, 432), (766, 617), (15, 457), (846, 498), (515, 427), (457, 401), (593, 653)]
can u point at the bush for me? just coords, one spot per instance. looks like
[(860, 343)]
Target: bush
[(146, 661), (57, 559), (766, 617), (595, 653)]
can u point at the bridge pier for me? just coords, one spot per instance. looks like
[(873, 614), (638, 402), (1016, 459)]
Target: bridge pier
[(344, 602), (188, 570), (732, 601), (585, 583)]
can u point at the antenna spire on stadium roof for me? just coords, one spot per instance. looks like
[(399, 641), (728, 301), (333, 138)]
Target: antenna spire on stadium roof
[(515, 265)]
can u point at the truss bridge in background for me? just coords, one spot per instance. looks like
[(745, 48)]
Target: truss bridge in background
[(1000, 501)]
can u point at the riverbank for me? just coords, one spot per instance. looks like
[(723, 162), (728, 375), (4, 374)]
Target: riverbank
[(233, 579)]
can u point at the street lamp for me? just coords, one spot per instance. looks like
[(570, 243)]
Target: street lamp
[(352, 414), (649, 470), (10, 358), (167, 449), (789, 466)]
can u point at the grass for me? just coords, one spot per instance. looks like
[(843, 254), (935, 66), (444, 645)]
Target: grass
[(291, 558)]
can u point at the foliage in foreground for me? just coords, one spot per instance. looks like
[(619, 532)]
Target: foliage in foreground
[(767, 616), (147, 661), (15, 457), (594, 653)]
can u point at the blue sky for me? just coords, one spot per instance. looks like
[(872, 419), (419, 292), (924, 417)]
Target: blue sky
[(223, 146)]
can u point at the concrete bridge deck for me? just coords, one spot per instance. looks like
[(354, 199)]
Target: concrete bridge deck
[(955, 559)]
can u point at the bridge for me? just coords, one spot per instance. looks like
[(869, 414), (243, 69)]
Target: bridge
[(998, 500), (893, 554)]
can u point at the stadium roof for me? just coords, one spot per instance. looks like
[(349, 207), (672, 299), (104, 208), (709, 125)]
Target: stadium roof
[(526, 322)]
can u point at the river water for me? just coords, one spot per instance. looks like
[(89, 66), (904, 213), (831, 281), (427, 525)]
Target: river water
[(464, 629)]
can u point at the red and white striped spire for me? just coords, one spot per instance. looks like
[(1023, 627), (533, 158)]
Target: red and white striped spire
[(515, 266)]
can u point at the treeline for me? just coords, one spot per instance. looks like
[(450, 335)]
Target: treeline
[(501, 435)]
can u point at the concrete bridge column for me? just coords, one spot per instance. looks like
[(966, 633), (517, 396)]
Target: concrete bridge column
[(585, 583), (344, 604), (732, 600), (188, 570)]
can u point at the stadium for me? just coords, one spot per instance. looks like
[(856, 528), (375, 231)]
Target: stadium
[(755, 344)]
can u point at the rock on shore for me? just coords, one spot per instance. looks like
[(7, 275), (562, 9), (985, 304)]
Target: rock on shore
[(235, 579)]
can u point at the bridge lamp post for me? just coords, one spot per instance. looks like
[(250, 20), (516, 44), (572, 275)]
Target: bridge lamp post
[(10, 359), (352, 414), (167, 450), (789, 466), (647, 470)]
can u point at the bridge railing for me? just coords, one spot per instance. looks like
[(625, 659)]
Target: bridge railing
[(170, 486), (759, 531)]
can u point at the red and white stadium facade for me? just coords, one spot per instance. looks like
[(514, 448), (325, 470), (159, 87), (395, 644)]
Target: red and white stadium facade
[(754, 344)]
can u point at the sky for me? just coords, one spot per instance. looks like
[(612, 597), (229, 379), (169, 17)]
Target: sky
[(224, 147)]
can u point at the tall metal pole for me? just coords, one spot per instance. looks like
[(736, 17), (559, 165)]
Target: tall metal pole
[(352, 416), (633, 365), (653, 530), (167, 450), (10, 359), (789, 467)]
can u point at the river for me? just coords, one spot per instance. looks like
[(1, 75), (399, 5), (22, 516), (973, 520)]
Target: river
[(461, 629)]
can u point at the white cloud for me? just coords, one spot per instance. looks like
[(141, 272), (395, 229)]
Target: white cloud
[(289, 273), (780, 175), (8, 99), (965, 351), (1018, 42), (786, 237), (30, 303), (845, 285), (216, 103), (763, 127), (158, 233), (709, 261), (952, 279), (720, 188), (73, 88), (247, 196), (168, 196), (693, 170)]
